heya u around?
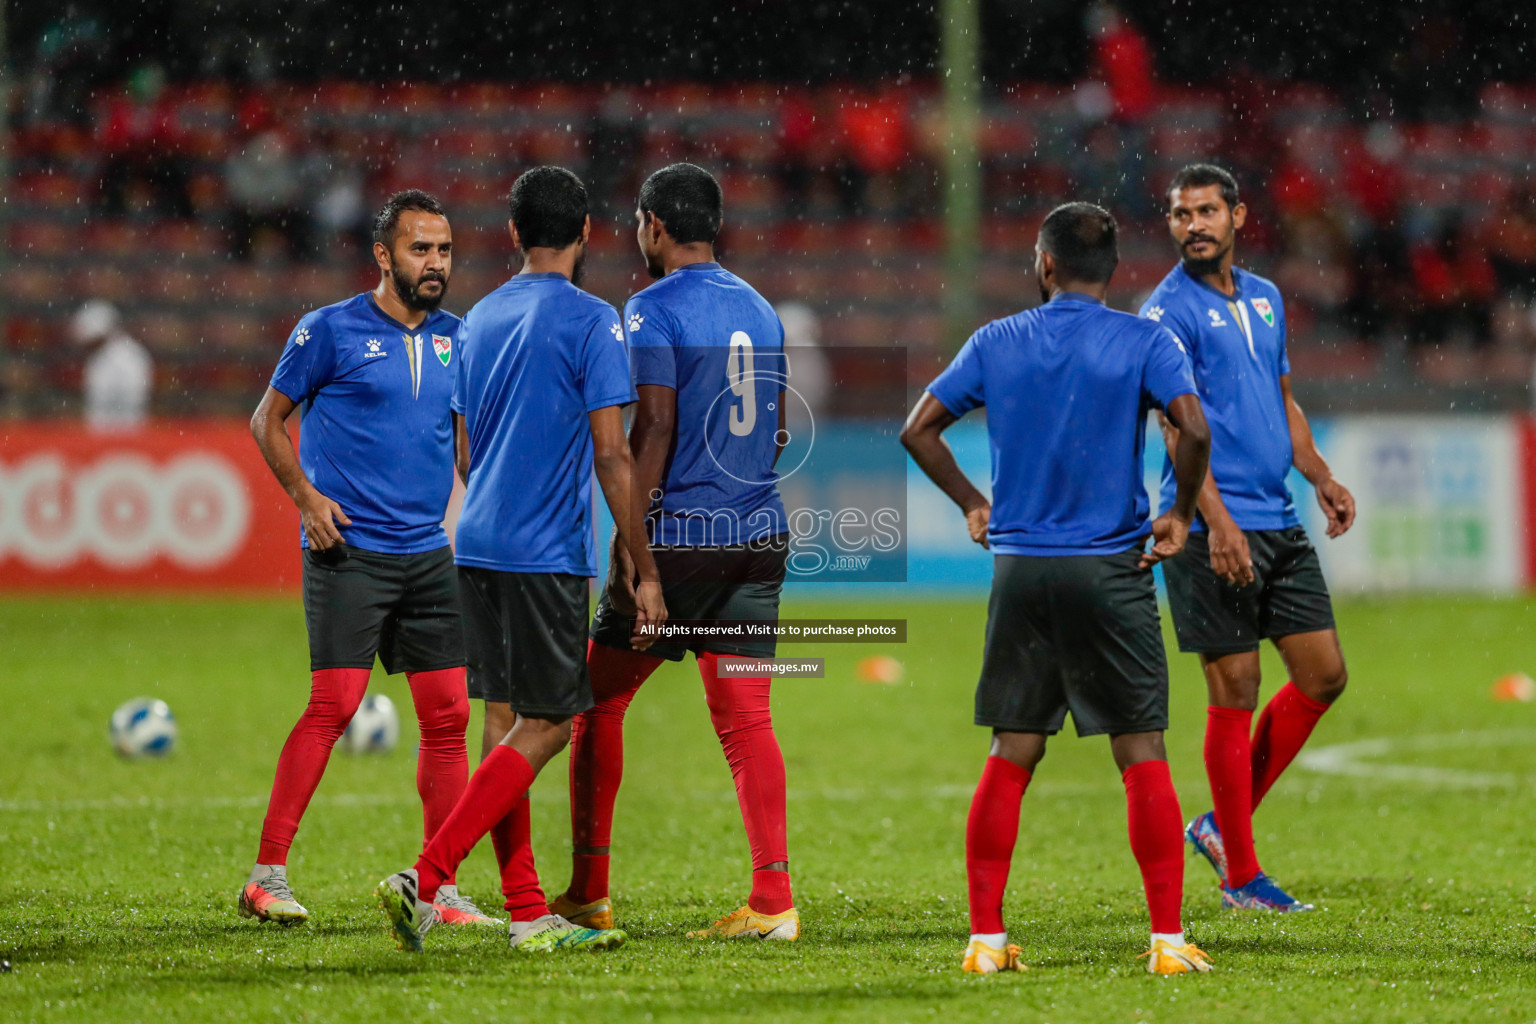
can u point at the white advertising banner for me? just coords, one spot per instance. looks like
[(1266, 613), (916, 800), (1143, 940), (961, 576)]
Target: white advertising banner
[(1440, 503)]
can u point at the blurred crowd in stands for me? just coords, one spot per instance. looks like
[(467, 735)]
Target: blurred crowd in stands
[(212, 216)]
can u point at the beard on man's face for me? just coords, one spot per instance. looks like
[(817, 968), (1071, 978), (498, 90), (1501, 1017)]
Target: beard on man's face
[(410, 291), (579, 271), (1202, 266)]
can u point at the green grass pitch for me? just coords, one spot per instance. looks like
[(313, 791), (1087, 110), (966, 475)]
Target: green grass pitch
[(118, 880)]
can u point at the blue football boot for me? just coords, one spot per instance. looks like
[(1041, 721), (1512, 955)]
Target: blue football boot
[(1205, 837), (1262, 894)]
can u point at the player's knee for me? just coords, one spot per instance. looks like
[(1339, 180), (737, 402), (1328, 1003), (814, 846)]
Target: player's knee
[(1026, 750), (1235, 689), (332, 712), (1331, 686), (451, 716)]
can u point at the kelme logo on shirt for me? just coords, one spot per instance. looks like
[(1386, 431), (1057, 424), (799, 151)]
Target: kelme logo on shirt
[(1262, 307), (1216, 320), (635, 320), (618, 332), (301, 336), (443, 346)]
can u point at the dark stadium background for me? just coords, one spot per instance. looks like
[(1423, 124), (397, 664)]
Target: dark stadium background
[(1384, 148)]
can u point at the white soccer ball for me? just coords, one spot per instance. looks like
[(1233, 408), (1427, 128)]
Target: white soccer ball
[(374, 729), (144, 727)]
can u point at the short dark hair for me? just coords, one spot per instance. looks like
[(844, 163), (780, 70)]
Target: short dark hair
[(387, 224), (1082, 239), (1203, 176), (548, 206), (687, 199)]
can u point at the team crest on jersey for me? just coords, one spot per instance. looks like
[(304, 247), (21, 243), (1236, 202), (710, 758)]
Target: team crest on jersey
[(1263, 308), (443, 346)]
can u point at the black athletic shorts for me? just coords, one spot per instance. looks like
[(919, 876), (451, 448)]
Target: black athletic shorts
[(1077, 633), (1288, 594), (728, 583), (404, 608), (526, 637)]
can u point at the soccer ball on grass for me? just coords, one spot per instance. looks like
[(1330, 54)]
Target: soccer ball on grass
[(143, 727)]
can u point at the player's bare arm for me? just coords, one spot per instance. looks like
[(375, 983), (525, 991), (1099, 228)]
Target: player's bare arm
[(614, 465), (922, 436), (1191, 458), (650, 440), (1230, 557), (461, 448), (1333, 497), (269, 426)]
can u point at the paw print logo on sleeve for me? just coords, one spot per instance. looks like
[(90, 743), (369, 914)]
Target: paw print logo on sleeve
[(635, 320), (618, 332), (301, 336)]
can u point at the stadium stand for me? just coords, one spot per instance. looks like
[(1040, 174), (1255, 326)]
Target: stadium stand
[(213, 216)]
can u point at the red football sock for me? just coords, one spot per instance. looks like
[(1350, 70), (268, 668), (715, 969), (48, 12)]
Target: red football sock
[(334, 695), (442, 765), (1229, 765), (597, 762), (990, 832), (494, 790), (512, 837), (1157, 839), (1284, 725), (739, 709), (770, 891)]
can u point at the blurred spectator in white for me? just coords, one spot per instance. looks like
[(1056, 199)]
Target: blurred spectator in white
[(265, 185), (332, 174), (119, 372), (810, 374)]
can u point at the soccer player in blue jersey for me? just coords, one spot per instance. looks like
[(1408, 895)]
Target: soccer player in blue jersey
[(543, 377), (371, 479), (708, 358), (1249, 572), (1072, 623)]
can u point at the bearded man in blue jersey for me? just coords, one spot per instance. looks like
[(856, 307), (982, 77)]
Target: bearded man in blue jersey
[(371, 480), (1249, 573)]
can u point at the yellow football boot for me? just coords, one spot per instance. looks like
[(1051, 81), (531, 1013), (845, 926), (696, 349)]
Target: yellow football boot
[(981, 958), (747, 923), (1166, 958), (598, 914)]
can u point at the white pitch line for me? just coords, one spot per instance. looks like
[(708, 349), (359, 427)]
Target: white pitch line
[(1350, 759)]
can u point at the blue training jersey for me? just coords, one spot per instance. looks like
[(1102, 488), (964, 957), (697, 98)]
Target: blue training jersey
[(1067, 387), (375, 436), (705, 333), (537, 356), (1237, 346)]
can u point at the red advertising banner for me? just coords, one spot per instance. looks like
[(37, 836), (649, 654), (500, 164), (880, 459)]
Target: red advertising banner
[(173, 506)]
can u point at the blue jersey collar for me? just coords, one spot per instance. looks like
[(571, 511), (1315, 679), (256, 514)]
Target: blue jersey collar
[(697, 266), (545, 275), (1237, 284), (1075, 297), (378, 311)]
